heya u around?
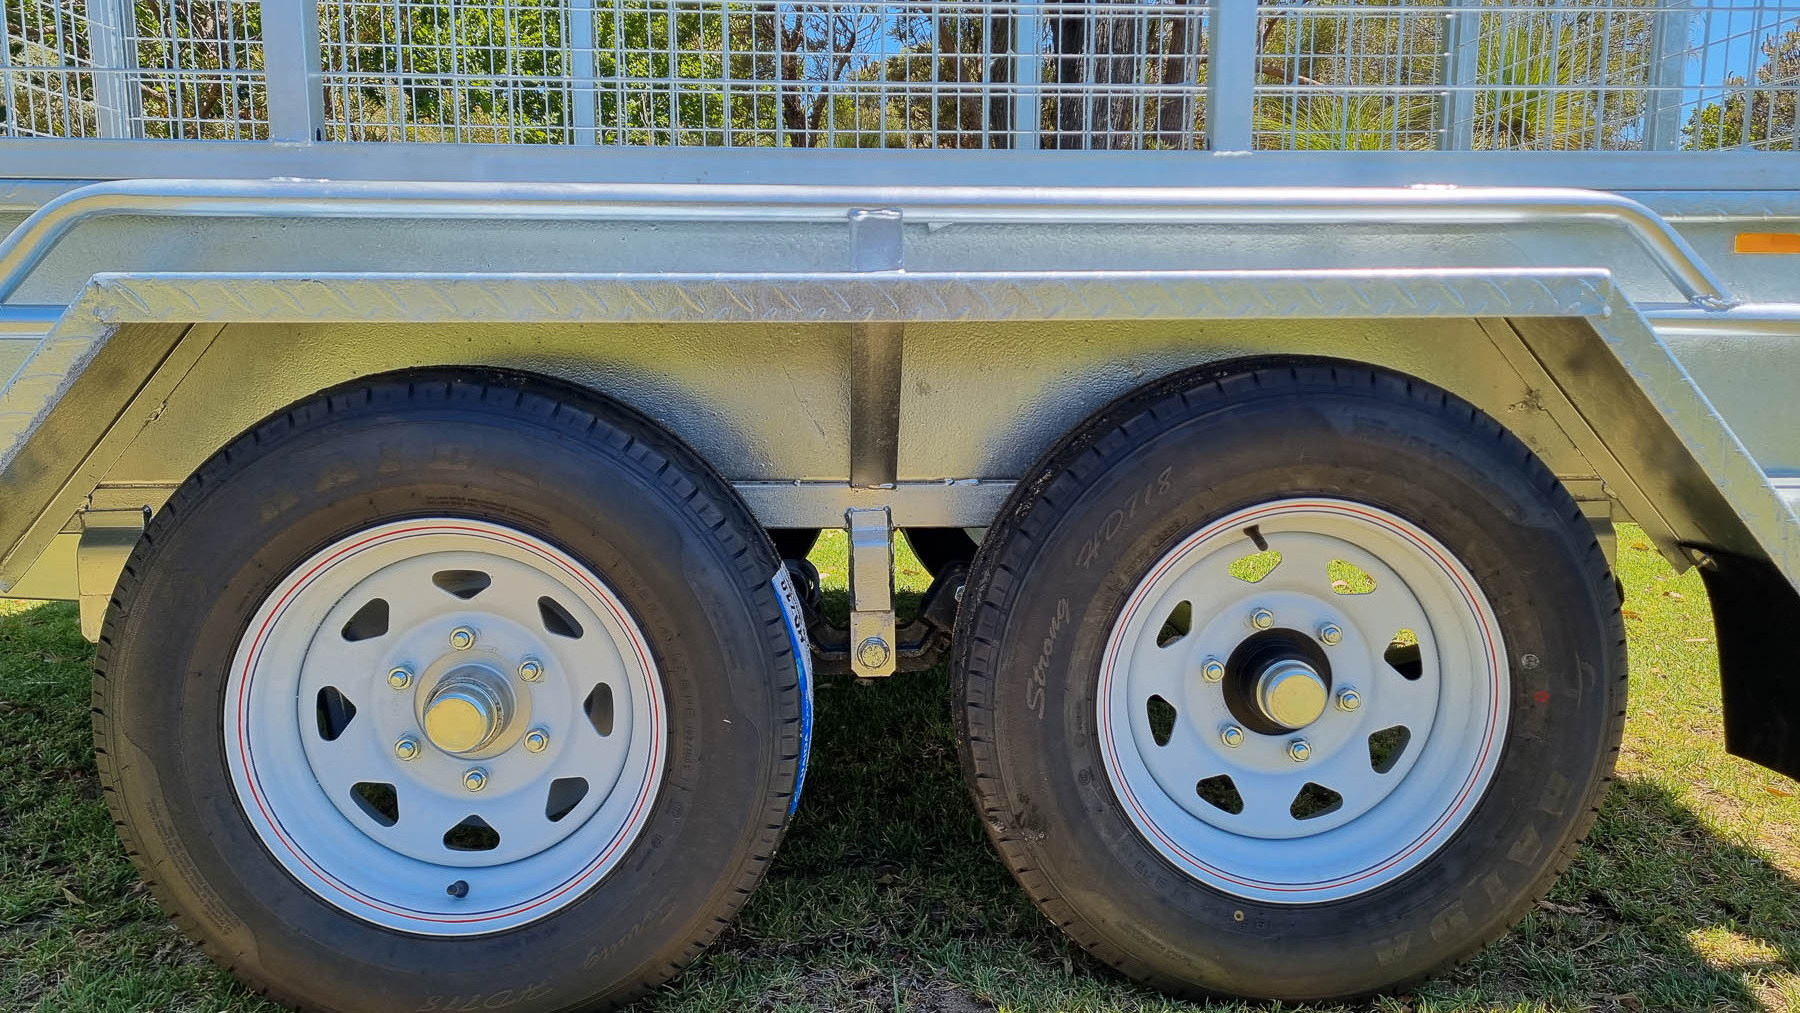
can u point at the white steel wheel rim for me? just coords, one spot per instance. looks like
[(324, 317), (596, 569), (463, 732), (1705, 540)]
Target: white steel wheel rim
[(1385, 823), (299, 788)]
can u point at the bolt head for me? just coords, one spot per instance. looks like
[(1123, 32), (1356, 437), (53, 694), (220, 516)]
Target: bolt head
[(872, 652), (531, 670), (1348, 700), (1212, 670), (1300, 750), (1232, 736), (1262, 619), (537, 740), (462, 638), (475, 780), (407, 748), (1331, 634), (399, 678)]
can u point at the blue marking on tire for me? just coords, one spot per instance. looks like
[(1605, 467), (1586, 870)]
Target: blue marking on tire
[(801, 643)]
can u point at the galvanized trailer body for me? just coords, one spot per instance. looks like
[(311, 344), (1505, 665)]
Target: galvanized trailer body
[(286, 263), (893, 283)]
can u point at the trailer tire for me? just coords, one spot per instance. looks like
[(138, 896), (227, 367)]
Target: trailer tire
[(940, 549), (1131, 557), (656, 662)]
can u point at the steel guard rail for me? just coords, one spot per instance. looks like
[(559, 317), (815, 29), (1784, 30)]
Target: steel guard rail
[(34, 238)]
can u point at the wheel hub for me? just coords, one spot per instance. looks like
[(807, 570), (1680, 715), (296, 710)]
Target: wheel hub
[(1291, 694), (452, 726), (1299, 702), (1277, 680), (469, 709)]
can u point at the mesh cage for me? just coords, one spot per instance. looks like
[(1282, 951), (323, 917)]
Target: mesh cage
[(859, 75), (1619, 75), (168, 69), (1499, 75)]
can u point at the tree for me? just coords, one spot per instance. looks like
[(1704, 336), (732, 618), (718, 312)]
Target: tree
[(1124, 77), (1762, 117), (1544, 78), (185, 58)]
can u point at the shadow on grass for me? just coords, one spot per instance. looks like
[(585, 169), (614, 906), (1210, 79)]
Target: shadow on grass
[(886, 895)]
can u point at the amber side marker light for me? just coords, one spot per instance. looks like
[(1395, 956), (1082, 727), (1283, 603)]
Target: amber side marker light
[(1767, 242)]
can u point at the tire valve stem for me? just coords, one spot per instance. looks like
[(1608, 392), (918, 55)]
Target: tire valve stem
[(458, 889)]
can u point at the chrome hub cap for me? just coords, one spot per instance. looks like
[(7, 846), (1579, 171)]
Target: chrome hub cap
[(1303, 701), (1291, 694), (468, 710), (445, 727)]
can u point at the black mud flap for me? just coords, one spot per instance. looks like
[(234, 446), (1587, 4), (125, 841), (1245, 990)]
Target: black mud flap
[(1756, 612)]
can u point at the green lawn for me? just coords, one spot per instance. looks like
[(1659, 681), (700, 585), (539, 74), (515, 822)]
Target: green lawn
[(886, 896)]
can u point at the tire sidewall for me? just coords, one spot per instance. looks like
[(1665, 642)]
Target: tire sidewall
[(709, 629), (1111, 515)]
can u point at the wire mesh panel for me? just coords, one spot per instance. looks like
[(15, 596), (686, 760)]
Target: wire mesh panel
[(1602, 75), (165, 69), (496, 71), (1123, 75), (1593, 75), (1740, 78), (715, 73)]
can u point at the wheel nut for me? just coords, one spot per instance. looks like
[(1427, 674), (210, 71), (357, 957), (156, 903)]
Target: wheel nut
[(872, 653), (407, 748), (1331, 634), (462, 638), (537, 740), (399, 678), (1348, 700), (1232, 736), (531, 670), (1300, 750), (1262, 619), (1213, 670), (475, 780)]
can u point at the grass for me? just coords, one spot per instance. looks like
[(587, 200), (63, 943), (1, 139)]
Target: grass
[(887, 897)]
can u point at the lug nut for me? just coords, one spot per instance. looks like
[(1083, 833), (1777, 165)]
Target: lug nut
[(1331, 634), (407, 748), (1232, 736), (531, 670), (399, 678), (872, 653), (1213, 670), (475, 780), (1300, 750), (462, 638), (1348, 699), (537, 740), (1262, 619)]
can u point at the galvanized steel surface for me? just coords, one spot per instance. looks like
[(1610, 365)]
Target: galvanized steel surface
[(27, 246)]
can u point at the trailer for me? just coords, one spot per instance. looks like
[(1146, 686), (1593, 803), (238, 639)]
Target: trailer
[(431, 404)]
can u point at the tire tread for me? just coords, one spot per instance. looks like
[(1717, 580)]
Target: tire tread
[(690, 484), (1105, 438)]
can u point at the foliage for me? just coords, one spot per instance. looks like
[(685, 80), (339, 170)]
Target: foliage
[(1337, 122), (1760, 117), (1348, 74)]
